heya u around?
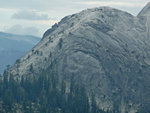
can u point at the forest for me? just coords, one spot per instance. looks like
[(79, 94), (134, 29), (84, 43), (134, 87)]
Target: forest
[(42, 95)]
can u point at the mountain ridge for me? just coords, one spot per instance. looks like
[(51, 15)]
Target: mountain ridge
[(145, 10), (104, 49)]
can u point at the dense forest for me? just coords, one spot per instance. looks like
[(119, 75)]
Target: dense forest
[(43, 95)]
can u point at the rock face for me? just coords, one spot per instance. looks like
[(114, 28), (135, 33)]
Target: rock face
[(145, 15), (104, 49), (12, 47)]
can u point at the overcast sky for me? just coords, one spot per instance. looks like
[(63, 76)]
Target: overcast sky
[(34, 17)]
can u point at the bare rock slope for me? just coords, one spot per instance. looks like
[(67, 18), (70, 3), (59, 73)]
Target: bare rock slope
[(104, 49)]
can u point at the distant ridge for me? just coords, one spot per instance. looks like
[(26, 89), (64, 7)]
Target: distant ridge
[(13, 46)]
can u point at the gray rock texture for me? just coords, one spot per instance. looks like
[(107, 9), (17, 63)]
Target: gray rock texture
[(104, 49)]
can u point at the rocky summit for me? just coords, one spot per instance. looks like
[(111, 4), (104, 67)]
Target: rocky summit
[(103, 49)]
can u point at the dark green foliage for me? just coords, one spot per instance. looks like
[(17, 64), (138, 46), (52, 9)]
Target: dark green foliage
[(31, 68), (144, 108), (60, 43), (93, 104), (1, 87), (43, 95), (18, 61)]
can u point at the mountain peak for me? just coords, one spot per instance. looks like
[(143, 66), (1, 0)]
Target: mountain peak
[(101, 16), (145, 11), (103, 49)]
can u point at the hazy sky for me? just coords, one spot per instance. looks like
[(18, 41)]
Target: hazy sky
[(34, 17)]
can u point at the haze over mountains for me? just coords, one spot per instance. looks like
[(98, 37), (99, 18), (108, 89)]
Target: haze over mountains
[(12, 47), (103, 49)]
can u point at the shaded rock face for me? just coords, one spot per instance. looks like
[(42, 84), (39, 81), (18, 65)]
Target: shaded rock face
[(104, 49)]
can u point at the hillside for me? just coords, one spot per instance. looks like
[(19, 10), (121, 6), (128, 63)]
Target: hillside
[(104, 50)]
